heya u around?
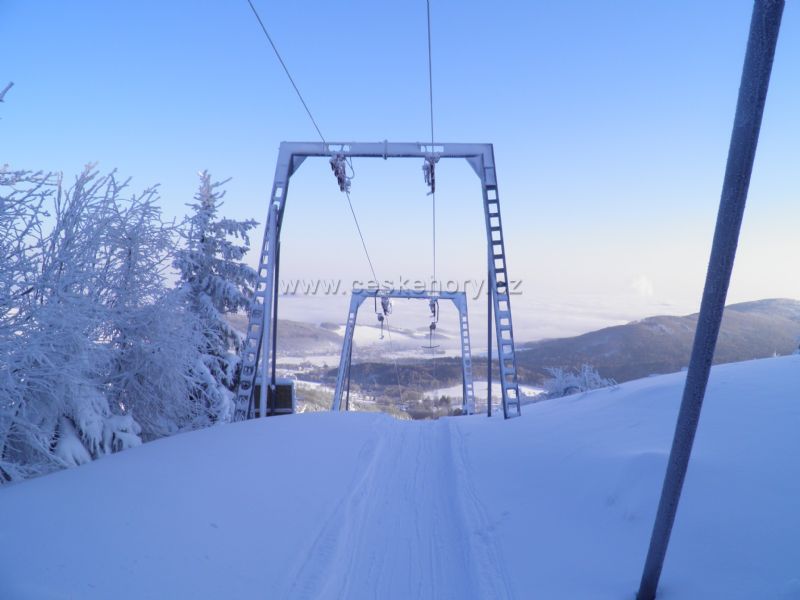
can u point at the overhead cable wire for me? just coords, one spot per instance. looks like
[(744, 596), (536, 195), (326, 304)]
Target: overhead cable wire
[(430, 68), (361, 235), (433, 190), (430, 99), (314, 122), (286, 69)]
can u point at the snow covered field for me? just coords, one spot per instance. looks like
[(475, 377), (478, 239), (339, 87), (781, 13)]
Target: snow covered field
[(368, 346), (557, 504), (454, 391)]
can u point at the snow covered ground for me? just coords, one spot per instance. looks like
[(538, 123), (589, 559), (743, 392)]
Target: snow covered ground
[(556, 505), (479, 387)]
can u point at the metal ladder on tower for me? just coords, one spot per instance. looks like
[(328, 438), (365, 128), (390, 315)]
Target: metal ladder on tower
[(259, 326), (498, 272), (466, 357)]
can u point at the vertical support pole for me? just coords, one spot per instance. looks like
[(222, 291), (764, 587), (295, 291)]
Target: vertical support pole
[(347, 395), (257, 340), (343, 373), (467, 384), (463, 385), (764, 28), (274, 343), (272, 242), (464, 393), (489, 343), (499, 286)]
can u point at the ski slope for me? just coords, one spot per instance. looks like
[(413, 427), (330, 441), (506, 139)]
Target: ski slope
[(555, 505)]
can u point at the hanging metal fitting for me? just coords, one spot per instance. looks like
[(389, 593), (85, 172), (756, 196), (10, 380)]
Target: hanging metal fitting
[(339, 168), (380, 321), (386, 305), (429, 170), (431, 330)]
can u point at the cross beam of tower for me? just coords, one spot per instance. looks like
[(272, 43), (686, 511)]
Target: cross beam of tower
[(259, 352)]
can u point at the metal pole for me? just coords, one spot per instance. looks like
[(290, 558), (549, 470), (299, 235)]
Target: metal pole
[(349, 362), (463, 362), (764, 27), (274, 354), (270, 245), (489, 343)]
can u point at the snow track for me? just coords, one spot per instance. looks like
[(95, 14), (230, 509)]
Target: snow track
[(411, 525)]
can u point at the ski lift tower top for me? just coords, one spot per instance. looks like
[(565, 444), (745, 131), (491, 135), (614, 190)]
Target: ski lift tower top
[(259, 352)]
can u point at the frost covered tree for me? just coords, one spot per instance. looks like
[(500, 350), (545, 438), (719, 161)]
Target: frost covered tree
[(23, 195), (97, 352), (156, 373), (563, 382), (56, 357), (215, 281)]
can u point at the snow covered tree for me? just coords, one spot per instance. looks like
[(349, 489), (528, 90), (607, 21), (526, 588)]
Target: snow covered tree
[(97, 352), (151, 340), (215, 281), (23, 195), (57, 356), (565, 382)]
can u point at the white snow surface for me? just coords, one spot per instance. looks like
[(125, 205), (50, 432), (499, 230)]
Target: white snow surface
[(528, 392), (557, 504)]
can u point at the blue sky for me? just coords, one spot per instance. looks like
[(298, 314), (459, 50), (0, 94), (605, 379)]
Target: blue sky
[(610, 121)]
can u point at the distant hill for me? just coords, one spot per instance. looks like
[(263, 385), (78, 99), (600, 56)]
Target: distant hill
[(662, 344), (296, 338)]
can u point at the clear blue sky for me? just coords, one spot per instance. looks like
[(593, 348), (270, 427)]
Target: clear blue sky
[(610, 121)]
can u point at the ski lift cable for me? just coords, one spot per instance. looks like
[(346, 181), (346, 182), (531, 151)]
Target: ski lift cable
[(350, 163), (361, 236), (432, 165), (430, 68), (430, 101), (319, 132), (286, 70)]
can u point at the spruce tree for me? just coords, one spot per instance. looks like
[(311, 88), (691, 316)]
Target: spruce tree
[(216, 282)]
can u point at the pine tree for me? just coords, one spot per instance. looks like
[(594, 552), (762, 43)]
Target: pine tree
[(215, 281)]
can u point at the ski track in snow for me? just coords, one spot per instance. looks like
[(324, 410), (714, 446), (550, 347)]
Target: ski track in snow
[(411, 525)]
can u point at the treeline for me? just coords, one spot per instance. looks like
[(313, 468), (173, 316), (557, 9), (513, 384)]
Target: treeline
[(111, 318)]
